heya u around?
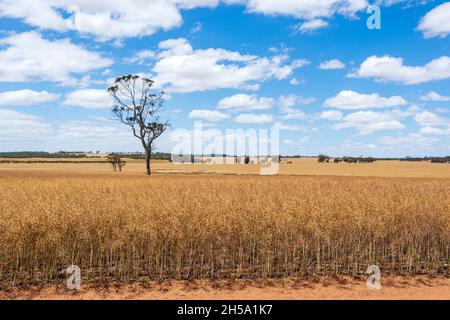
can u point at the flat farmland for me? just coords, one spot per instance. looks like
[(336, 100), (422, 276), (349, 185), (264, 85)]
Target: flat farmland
[(224, 223), (301, 167)]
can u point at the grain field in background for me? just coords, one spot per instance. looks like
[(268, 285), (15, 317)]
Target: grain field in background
[(122, 228)]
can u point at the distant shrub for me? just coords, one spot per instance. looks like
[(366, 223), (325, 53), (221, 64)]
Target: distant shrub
[(117, 163)]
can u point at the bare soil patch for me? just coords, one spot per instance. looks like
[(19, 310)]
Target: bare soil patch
[(320, 288)]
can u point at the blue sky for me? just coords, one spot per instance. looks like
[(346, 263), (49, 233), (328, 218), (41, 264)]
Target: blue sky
[(309, 68)]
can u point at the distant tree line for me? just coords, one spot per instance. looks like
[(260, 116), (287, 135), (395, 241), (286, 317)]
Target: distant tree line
[(323, 158), (355, 160), (10, 160), (167, 156), (431, 159), (441, 160), (42, 154), (141, 156)]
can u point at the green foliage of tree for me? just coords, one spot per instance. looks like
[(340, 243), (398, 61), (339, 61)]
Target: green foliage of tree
[(323, 158)]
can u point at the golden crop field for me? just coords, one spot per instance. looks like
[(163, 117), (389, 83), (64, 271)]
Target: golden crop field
[(300, 167), (126, 226)]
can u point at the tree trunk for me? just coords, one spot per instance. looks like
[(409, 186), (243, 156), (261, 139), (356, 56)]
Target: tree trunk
[(148, 157)]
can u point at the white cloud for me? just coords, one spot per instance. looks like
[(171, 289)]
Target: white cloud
[(289, 142), (351, 100), (106, 19), (89, 98), (287, 109), (303, 100), (291, 100), (331, 115), (427, 118), (387, 68), (434, 96), (298, 63), (254, 118), (191, 4), (442, 110), (435, 131), (309, 9), (17, 125), (209, 115), (312, 25), (93, 135), (436, 23), (408, 142), (368, 122), (30, 132), (26, 97), (197, 27), (332, 64), (180, 68), (300, 142), (281, 126), (140, 57), (294, 82), (111, 19), (29, 57), (290, 113), (87, 81), (288, 101), (245, 102)]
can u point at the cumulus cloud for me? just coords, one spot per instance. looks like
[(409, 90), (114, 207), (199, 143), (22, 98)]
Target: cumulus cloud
[(391, 69), (331, 115), (254, 118), (408, 142), (32, 132), (281, 126), (294, 82), (209, 115), (290, 113), (29, 57), (367, 122), (435, 131), (26, 97), (17, 125), (245, 102), (301, 142), (434, 96), (436, 23), (427, 118), (289, 142), (305, 9), (332, 64), (287, 109), (140, 57), (292, 99), (311, 25), (89, 98), (105, 19), (180, 68), (197, 27), (109, 19), (351, 100)]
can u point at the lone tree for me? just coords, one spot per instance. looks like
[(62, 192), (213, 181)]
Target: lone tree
[(138, 108)]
